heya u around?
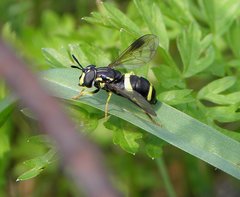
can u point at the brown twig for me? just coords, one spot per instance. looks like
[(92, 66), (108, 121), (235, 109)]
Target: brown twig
[(81, 159)]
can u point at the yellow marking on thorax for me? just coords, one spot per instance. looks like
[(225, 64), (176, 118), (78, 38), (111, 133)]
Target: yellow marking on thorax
[(81, 81), (102, 85), (110, 79), (98, 79), (149, 96), (127, 83)]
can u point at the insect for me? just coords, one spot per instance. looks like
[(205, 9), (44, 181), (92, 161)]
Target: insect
[(137, 89)]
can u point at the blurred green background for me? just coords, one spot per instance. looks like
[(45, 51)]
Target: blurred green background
[(30, 26)]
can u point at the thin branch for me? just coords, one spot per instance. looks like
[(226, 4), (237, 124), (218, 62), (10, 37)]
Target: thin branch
[(81, 159)]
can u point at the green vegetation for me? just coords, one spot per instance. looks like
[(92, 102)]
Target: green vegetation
[(196, 71)]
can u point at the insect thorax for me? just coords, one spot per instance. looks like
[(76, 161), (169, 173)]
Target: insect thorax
[(106, 75)]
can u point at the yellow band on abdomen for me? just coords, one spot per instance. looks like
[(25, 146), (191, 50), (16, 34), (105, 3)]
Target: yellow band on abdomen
[(149, 96), (127, 83)]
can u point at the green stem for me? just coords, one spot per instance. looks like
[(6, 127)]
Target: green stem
[(165, 177)]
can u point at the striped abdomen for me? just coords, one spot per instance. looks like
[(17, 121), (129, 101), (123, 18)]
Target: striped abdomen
[(140, 85)]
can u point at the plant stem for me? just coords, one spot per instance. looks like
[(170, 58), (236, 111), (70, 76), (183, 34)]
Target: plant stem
[(165, 177)]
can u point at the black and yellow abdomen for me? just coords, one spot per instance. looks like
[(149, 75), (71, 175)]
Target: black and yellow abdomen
[(140, 85)]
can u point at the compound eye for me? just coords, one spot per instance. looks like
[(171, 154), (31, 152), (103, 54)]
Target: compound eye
[(89, 78)]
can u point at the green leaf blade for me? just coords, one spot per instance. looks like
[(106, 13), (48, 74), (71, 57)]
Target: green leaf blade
[(55, 58), (127, 140), (177, 128), (216, 87), (196, 52), (220, 14), (37, 165), (175, 97), (234, 39), (6, 107), (153, 18), (119, 20)]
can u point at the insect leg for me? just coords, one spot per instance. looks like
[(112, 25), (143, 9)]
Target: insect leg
[(82, 93), (94, 91), (106, 106), (153, 121), (79, 94)]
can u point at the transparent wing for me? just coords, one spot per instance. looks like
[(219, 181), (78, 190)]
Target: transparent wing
[(140, 52), (135, 97)]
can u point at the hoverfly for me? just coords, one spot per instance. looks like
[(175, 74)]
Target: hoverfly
[(137, 89)]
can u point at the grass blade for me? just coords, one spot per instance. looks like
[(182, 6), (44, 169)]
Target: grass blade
[(177, 128)]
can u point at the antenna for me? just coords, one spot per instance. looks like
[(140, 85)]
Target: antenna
[(79, 65)]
